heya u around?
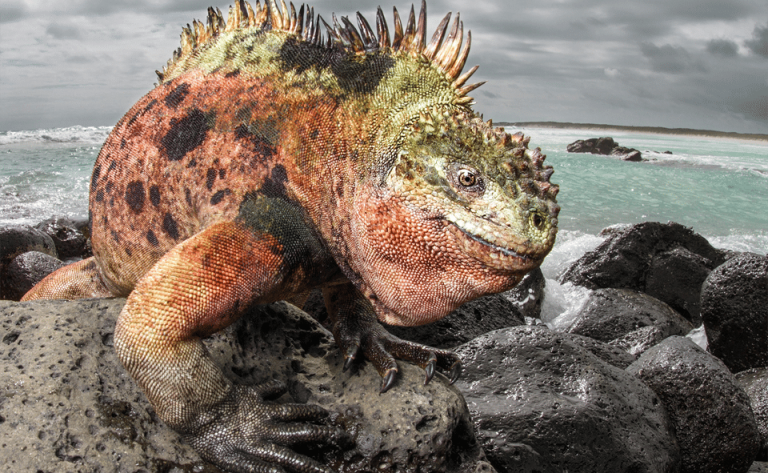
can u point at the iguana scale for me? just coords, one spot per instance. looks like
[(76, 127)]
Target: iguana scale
[(272, 159)]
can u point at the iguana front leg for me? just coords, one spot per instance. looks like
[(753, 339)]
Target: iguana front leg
[(196, 289), (356, 328)]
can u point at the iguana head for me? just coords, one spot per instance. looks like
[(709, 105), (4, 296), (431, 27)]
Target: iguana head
[(453, 209), (465, 210)]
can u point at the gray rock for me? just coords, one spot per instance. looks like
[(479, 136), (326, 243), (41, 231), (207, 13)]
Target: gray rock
[(638, 341), (472, 319), (528, 294), (67, 399), (755, 383), (711, 413), (26, 270), (542, 403), (734, 302), (610, 354), (69, 240), (18, 239), (612, 313), (632, 257), (469, 321)]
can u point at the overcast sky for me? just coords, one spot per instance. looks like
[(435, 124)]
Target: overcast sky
[(672, 63)]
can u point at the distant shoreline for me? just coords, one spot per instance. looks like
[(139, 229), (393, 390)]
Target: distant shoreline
[(640, 129)]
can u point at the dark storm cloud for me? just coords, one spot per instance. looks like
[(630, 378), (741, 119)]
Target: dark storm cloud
[(657, 62), (759, 42), (723, 47), (670, 59)]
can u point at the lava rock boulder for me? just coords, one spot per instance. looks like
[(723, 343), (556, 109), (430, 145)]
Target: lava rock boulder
[(734, 302), (711, 413), (543, 403)]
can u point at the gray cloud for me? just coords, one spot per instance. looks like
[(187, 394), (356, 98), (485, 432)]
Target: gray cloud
[(62, 31), (723, 47), (566, 60), (670, 59), (759, 43)]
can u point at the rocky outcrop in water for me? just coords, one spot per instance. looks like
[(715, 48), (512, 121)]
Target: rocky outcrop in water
[(605, 146), (14, 241), (667, 261)]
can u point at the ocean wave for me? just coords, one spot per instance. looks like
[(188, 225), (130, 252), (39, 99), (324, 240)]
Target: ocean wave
[(72, 134)]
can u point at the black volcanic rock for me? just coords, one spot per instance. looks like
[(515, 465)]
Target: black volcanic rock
[(711, 413), (734, 307), (666, 261), (605, 146), (541, 402)]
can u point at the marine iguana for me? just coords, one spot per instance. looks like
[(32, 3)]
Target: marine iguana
[(272, 159)]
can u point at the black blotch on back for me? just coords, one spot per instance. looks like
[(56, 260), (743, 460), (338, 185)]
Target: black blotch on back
[(234, 73), (154, 195), (115, 236), (108, 187), (210, 178), (170, 227), (185, 134), (173, 99), (95, 177), (222, 173), (355, 73), (261, 145), (274, 186), (134, 196), (188, 197), (152, 238), (219, 196), (99, 195), (150, 105)]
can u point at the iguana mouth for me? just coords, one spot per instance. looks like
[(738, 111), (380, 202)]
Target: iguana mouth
[(500, 249)]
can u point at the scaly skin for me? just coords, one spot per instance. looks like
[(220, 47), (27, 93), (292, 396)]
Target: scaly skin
[(269, 162)]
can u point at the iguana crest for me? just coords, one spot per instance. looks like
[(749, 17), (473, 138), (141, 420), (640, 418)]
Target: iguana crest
[(447, 53)]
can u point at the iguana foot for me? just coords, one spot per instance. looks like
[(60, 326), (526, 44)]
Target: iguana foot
[(382, 348), (243, 433)]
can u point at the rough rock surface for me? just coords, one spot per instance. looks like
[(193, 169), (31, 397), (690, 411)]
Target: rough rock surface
[(542, 403), (734, 302), (711, 413), (666, 261), (18, 239), (605, 146), (472, 319), (69, 240), (528, 295), (755, 383), (66, 398), (612, 313), (638, 341), (26, 270)]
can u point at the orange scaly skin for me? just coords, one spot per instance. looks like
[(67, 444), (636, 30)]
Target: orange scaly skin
[(269, 162)]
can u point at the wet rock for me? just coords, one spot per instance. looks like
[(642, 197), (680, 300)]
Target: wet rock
[(627, 154), (610, 354), (26, 270), (605, 146), (734, 302), (638, 341), (666, 261), (469, 321), (528, 294), (612, 313), (710, 412), (68, 400), (69, 240), (755, 383), (18, 239), (472, 319), (542, 403)]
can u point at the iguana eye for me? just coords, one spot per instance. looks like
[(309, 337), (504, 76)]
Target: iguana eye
[(467, 178), (466, 181)]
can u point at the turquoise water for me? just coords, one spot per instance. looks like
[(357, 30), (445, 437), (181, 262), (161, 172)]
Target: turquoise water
[(718, 187)]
